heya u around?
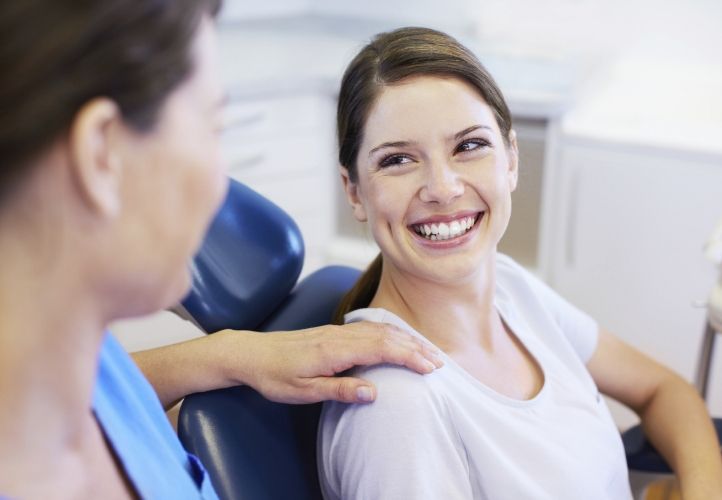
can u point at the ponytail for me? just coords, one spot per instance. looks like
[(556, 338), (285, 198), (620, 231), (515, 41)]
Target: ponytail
[(362, 293)]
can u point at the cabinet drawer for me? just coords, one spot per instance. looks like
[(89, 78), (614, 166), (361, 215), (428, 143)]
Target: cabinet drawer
[(299, 194), (268, 158), (263, 117)]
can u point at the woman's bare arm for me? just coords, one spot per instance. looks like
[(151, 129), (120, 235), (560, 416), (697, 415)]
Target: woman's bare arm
[(291, 367), (673, 415)]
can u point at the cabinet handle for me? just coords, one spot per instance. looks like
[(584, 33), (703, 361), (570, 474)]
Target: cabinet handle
[(241, 122), (571, 217), (248, 162)]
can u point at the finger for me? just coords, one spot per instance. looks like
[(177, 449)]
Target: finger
[(413, 351), (415, 361), (403, 352), (387, 335), (434, 354), (344, 389)]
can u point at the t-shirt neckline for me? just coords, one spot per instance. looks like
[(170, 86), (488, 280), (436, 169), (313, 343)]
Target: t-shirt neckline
[(507, 317)]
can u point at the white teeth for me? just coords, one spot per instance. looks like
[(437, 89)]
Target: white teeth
[(445, 231)]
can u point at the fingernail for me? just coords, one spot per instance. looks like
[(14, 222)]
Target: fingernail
[(435, 355), (430, 367), (365, 394)]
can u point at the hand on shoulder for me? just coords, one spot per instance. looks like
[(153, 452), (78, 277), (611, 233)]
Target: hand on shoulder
[(301, 366)]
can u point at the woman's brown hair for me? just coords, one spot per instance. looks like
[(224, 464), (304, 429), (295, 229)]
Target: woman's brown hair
[(56, 55), (388, 59)]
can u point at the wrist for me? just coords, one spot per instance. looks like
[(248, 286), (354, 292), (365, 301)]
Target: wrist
[(236, 354), (701, 488)]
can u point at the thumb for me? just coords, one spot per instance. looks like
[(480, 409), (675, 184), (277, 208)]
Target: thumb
[(345, 389)]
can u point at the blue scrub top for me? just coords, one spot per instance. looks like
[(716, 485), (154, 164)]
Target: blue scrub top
[(137, 428)]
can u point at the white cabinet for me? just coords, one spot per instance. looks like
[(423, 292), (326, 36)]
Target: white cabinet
[(625, 227)]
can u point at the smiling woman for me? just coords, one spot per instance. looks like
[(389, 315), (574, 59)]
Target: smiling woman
[(429, 161)]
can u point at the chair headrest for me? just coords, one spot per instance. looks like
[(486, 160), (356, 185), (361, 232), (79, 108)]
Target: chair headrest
[(250, 260)]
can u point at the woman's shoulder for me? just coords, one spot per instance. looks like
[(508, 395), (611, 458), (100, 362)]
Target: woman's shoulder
[(519, 283), (397, 383), (400, 392), (408, 422), (520, 290), (405, 402)]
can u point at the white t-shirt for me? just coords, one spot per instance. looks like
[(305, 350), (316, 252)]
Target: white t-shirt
[(448, 436)]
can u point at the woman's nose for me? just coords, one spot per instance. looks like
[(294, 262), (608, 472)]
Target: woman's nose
[(441, 184)]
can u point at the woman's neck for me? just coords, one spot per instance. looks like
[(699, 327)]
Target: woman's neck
[(451, 315), (49, 339)]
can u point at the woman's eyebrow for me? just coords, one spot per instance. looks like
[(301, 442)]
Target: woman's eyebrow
[(467, 130), (401, 144), (396, 144)]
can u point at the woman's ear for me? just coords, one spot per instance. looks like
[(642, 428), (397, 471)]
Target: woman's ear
[(513, 153), (352, 195), (95, 167)]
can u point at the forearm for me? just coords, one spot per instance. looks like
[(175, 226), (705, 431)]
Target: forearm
[(184, 368), (678, 424), (292, 367)]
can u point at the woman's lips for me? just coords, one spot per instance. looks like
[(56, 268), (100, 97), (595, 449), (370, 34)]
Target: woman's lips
[(447, 229)]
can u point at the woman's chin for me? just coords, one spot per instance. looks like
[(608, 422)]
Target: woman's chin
[(168, 297), (180, 289)]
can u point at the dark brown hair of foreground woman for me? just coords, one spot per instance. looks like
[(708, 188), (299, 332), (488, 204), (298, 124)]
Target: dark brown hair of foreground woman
[(57, 55)]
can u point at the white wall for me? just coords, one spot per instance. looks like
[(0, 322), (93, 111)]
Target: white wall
[(455, 16), (235, 10), (586, 27)]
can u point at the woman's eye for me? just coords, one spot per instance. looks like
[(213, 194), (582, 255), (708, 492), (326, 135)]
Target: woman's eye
[(394, 160), (472, 145)]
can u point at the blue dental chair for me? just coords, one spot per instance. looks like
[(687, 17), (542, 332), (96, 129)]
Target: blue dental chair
[(255, 449)]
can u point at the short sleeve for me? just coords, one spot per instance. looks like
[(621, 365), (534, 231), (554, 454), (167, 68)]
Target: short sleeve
[(132, 418), (580, 329), (403, 445)]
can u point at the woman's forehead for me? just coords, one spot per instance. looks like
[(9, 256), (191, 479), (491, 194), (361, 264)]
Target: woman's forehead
[(426, 104)]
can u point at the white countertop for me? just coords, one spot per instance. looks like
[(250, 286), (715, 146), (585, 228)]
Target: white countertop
[(665, 89), (653, 103), (311, 52)]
